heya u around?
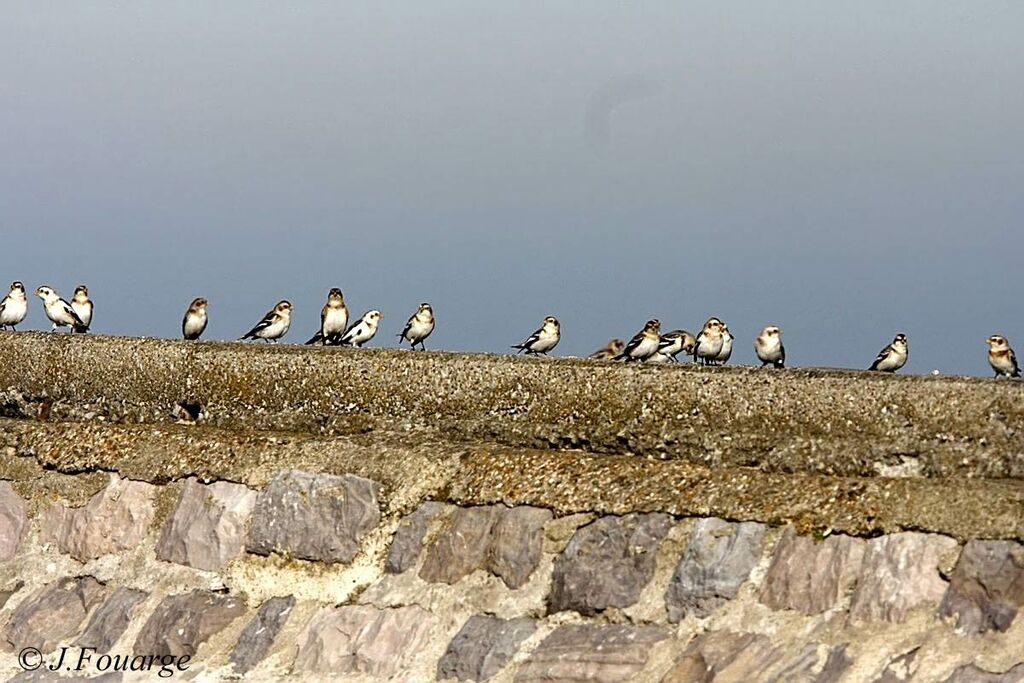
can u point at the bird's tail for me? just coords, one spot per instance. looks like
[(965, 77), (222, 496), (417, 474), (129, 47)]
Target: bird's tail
[(315, 338)]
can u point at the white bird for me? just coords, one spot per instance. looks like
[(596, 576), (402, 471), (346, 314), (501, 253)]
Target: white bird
[(892, 357), (363, 331), (83, 307), (543, 340), (274, 325), (726, 353), (333, 319), (57, 309), (1001, 357), (769, 349), (194, 323), (14, 307), (644, 344), (672, 344), (710, 341), (419, 327)]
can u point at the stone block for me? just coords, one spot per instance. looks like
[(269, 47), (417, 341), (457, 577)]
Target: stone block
[(899, 573), (986, 589), (207, 528), (181, 623), (258, 636), (591, 652), (607, 563), (12, 521), (53, 615), (718, 559), (483, 646), (111, 618), (811, 577), (360, 639), (316, 517)]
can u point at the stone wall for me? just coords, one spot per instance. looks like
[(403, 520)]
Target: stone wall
[(267, 538), (312, 576)]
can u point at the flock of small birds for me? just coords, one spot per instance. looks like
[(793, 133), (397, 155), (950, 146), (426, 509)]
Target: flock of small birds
[(711, 346)]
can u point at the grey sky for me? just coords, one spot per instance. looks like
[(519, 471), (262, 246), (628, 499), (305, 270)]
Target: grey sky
[(846, 171)]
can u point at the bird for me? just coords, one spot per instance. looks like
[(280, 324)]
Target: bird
[(769, 349), (892, 357), (726, 353), (543, 339), (14, 307), (710, 341), (644, 344), (274, 325), (333, 319), (609, 351), (1001, 357), (59, 311), (194, 323), (363, 331), (83, 307), (419, 327), (672, 344)]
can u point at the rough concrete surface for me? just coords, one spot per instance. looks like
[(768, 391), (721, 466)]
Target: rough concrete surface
[(366, 515)]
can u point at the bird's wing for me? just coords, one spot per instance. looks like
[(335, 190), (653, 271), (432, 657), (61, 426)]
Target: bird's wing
[(351, 333), (1013, 363), (529, 341), (268, 319), (68, 309), (633, 343), (408, 326), (782, 353), (316, 337), (882, 355), (666, 342)]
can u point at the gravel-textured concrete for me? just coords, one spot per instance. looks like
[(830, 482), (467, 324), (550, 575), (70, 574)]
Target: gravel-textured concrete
[(825, 421)]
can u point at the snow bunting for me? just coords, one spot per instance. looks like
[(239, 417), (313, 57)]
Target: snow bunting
[(363, 331), (57, 309), (644, 344), (543, 340), (14, 307), (892, 357), (1001, 357), (710, 341), (83, 307), (672, 344), (274, 325), (333, 320), (419, 327), (194, 323), (768, 347)]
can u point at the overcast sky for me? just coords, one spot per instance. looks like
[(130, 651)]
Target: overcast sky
[(847, 171)]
